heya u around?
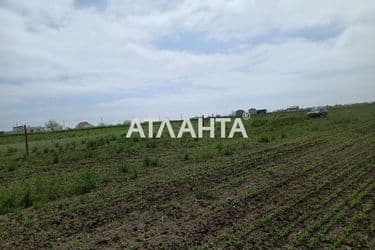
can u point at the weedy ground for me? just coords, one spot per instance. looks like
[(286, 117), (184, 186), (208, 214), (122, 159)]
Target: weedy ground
[(295, 182)]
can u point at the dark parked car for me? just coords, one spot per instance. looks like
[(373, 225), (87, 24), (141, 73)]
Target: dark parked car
[(239, 112), (261, 111), (318, 112)]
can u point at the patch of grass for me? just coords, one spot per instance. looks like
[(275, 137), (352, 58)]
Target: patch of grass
[(41, 190), (259, 123), (186, 157), (124, 167), (12, 166), (133, 173), (11, 150), (204, 155), (130, 151), (219, 147), (86, 182), (203, 194), (228, 151), (35, 150), (91, 144), (118, 149), (135, 139), (150, 162), (264, 139), (151, 144), (55, 159)]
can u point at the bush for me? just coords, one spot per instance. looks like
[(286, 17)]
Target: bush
[(14, 198), (86, 182), (8, 201), (26, 200)]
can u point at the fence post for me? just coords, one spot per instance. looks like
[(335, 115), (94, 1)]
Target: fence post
[(26, 142)]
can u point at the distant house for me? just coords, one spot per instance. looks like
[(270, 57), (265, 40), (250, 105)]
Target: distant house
[(262, 111), (84, 125), (18, 129), (292, 108), (252, 111), (36, 129), (239, 112)]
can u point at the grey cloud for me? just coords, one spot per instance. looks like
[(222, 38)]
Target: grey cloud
[(275, 54), (96, 4)]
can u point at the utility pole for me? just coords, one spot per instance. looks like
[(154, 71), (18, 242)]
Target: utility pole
[(26, 142)]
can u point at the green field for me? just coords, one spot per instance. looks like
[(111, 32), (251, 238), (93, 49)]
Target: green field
[(295, 182)]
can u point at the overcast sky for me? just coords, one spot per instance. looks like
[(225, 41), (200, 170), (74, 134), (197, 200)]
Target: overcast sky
[(119, 59)]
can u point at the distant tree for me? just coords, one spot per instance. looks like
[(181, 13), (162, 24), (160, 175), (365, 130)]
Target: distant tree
[(53, 125)]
